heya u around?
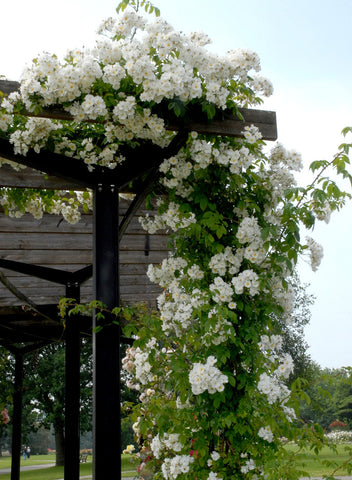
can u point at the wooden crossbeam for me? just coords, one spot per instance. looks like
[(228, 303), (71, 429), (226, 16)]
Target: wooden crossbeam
[(229, 125), (30, 178), (140, 160)]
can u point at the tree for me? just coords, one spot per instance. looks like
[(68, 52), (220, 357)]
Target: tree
[(41, 441), (292, 331), (45, 390), (330, 393)]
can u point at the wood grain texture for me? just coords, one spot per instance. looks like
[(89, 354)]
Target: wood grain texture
[(53, 243)]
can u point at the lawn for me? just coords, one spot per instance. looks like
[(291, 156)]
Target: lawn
[(308, 463), (54, 473), (5, 462), (316, 466)]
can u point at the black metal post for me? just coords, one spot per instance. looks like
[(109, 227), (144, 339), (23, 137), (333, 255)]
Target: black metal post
[(106, 342), (72, 389), (17, 418)]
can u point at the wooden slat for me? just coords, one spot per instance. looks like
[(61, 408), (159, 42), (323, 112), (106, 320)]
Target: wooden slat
[(127, 270), (25, 281), (54, 223), (63, 241), (148, 298), (71, 256), (56, 292)]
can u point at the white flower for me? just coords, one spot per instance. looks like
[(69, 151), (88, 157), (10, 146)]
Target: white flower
[(222, 291), (266, 434), (215, 456), (157, 446), (316, 253), (205, 377), (173, 467), (249, 465), (249, 230), (247, 279), (286, 366), (129, 449), (214, 476), (252, 134), (274, 342)]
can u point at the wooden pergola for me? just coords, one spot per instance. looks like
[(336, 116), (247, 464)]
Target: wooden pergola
[(108, 236)]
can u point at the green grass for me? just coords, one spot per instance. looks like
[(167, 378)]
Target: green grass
[(311, 465), (128, 467), (314, 465), (5, 462)]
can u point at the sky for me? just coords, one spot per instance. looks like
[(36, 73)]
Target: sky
[(305, 50)]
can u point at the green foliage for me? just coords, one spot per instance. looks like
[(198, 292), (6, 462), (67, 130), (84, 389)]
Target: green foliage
[(135, 4), (330, 393)]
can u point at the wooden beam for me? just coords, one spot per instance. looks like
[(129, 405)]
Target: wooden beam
[(30, 178), (141, 159), (9, 86), (229, 125)]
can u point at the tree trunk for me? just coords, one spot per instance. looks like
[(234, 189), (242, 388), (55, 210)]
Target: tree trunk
[(60, 445)]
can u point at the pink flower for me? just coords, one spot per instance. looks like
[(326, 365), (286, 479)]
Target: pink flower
[(5, 416)]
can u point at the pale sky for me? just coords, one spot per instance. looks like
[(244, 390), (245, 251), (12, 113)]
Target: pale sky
[(305, 50)]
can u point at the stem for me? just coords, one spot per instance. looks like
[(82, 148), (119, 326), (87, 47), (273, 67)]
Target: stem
[(341, 466)]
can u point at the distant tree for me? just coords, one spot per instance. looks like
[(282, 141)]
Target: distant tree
[(292, 332), (342, 397), (40, 441), (330, 394), (44, 383)]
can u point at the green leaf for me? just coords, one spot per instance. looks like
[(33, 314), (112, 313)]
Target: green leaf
[(317, 164)]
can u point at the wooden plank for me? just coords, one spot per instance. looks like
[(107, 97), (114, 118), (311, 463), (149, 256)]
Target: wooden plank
[(26, 281), (148, 298), (66, 241), (85, 258), (230, 125), (58, 292), (47, 224), (48, 241), (127, 270), (9, 86), (55, 224)]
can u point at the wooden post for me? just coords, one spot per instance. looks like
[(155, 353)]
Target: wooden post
[(72, 389), (17, 418), (106, 342)]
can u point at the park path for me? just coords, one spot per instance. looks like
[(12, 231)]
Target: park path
[(27, 467)]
